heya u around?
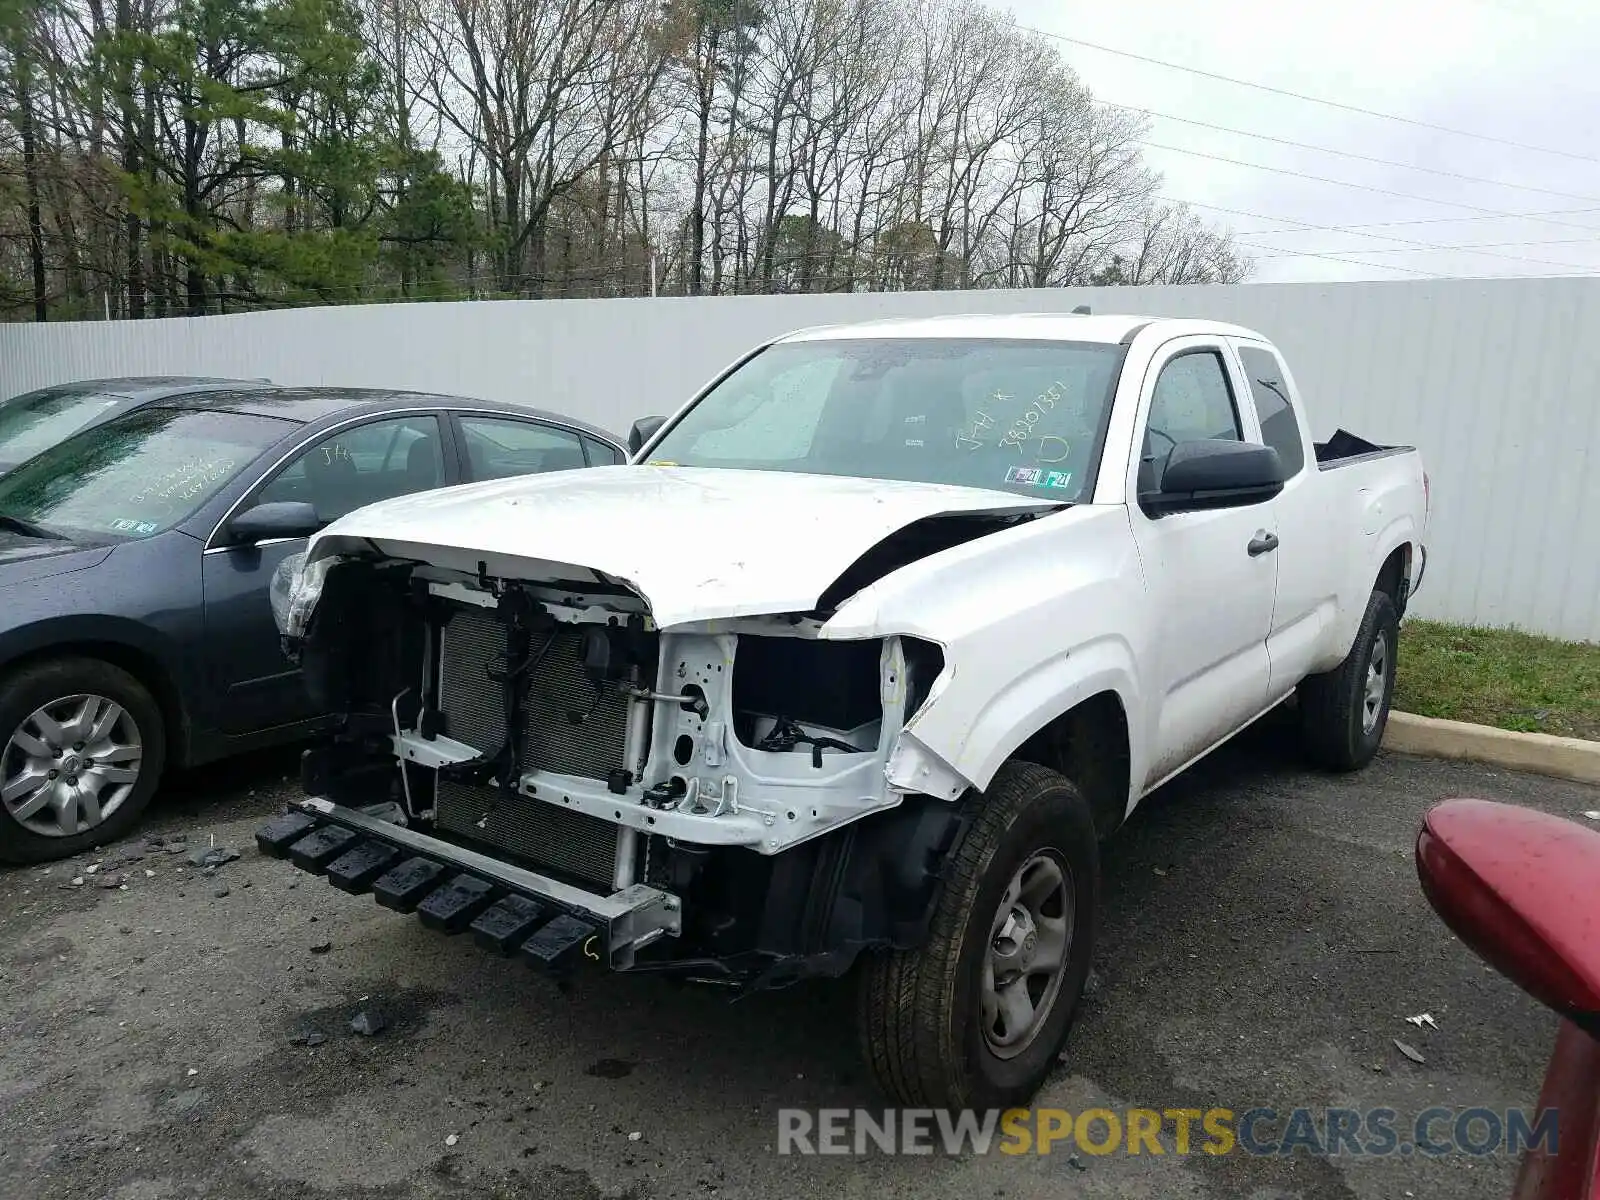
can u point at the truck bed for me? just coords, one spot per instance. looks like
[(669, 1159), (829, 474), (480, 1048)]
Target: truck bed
[(1344, 448)]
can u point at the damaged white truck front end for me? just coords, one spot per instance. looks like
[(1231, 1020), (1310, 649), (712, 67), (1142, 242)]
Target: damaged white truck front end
[(722, 710), (677, 705), (858, 661)]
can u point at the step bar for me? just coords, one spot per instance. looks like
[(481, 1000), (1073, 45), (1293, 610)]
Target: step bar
[(508, 909)]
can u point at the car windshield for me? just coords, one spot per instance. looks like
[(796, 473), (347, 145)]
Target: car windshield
[(37, 420), (1021, 416), (137, 474)]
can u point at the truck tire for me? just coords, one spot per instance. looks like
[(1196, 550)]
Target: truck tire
[(82, 746), (977, 1015), (1343, 712)]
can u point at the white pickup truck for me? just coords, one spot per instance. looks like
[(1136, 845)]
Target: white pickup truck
[(852, 667)]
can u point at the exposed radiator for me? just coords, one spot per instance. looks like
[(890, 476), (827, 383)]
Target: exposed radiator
[(560, 840), (556, 839), (551, 740)]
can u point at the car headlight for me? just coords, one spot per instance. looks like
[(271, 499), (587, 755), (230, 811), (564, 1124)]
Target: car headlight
[(295, 590)]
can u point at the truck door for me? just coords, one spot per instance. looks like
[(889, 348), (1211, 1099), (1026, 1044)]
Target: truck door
[(1212, 574), (1310, 564)]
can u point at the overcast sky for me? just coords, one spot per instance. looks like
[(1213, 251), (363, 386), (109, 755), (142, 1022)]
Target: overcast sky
[(1526, 72)]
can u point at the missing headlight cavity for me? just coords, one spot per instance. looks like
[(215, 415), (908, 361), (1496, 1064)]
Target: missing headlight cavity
[(793, 692)]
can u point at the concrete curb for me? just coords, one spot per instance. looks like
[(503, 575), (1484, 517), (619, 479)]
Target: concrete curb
[(1540, 753)]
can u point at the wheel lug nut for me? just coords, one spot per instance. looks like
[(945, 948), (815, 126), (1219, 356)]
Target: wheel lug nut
[(77, 745), (53, 774), (58, 751)]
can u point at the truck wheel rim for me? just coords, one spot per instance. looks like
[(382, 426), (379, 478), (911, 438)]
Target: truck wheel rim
[(70, 765), (1026, 960), (1377, 683)]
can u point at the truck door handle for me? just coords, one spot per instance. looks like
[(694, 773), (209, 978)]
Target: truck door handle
[(1263, 543)]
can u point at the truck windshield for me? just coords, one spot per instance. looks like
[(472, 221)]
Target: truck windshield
[(1022, 416)]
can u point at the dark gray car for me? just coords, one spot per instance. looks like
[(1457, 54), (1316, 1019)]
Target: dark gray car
[(35, 421), (135, 562)]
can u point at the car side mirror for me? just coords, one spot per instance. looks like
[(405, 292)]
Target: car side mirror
[(277, 519), (1511, 882), (643, 430), (1215, 473)]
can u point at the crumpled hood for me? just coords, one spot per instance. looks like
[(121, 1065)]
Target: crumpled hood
[(698, 544)]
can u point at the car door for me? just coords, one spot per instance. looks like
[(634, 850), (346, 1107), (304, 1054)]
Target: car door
[(1211, 583), (1308, 569), (336, 471), (503, 445)]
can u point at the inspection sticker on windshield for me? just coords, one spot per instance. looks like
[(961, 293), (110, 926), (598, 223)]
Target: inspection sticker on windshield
[(128, 525), (1039, 477)]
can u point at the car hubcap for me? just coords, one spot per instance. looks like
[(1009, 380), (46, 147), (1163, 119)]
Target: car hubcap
[(1377, 683), (70, 765), (1027, 956)]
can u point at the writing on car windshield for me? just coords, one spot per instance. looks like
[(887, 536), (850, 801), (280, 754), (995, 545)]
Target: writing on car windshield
[(137, 474), (1024, 416)]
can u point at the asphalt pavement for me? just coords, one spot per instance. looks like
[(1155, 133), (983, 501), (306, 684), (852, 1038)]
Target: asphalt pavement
[(164, 1033)]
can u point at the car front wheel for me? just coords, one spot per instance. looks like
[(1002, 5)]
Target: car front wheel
[(84, 750)]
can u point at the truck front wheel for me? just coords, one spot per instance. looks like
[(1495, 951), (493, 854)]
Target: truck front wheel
[(1343, 712), (977, 1015)]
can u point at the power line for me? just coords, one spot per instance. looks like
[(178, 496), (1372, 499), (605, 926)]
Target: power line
[(1383, 162), (1360, 187), (1429, 274), (1277, 91), (1465, 247), (1352, 262), (1527, 216), (1406, 243), (1537, 16)]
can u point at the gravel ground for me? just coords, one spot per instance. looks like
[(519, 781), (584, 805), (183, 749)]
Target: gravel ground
[(188, 1036)]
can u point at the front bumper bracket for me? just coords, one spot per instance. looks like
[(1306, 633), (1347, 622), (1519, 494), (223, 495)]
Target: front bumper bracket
[(459, 889)]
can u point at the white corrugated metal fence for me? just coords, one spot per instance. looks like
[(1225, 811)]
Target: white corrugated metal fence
[(1495, 380)]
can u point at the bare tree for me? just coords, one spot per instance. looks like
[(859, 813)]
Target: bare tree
[(161, 156)]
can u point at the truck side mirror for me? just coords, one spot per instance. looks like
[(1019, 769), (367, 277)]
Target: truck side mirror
[(643, 430), (1215, 473)]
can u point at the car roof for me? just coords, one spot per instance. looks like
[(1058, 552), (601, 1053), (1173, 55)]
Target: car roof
[(144, 387), (310, 405)]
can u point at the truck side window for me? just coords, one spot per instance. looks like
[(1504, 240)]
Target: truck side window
[(1192, 402), (1279, 429)]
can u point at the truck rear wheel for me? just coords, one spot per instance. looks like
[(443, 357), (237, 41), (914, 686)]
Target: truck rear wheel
[(1343, 712), (977, 1015)]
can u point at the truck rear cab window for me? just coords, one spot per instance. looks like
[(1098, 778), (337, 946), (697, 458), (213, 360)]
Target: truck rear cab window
[(1279, 429)]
